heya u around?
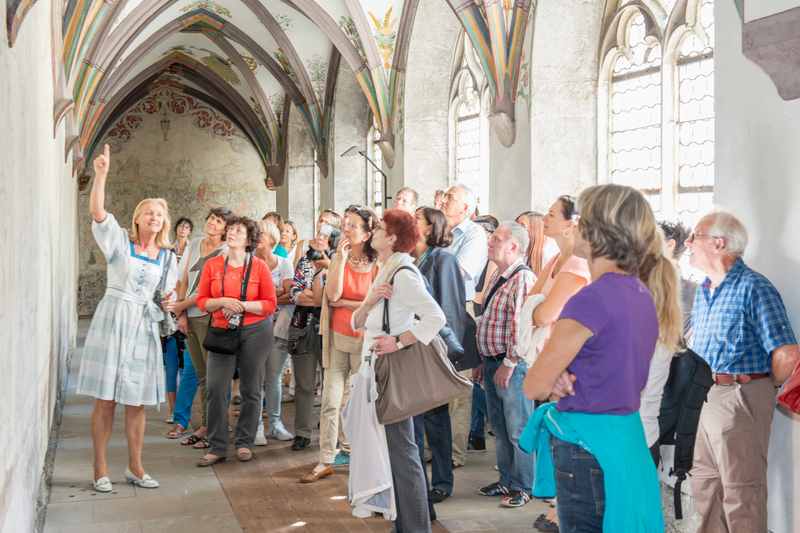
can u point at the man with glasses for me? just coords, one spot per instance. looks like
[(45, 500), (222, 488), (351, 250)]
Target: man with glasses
[(741, 329)]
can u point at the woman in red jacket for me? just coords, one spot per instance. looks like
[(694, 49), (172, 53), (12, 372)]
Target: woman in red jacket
[(219, 293)]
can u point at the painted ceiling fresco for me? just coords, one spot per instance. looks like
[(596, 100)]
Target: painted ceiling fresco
[(251, 59)]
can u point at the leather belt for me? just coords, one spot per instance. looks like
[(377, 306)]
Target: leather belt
[(730, 379)]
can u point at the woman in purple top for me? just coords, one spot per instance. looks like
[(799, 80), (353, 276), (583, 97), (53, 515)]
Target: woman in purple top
[(598, 355)]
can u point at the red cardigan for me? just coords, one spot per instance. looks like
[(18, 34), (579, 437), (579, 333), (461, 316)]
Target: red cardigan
[(259, 289)]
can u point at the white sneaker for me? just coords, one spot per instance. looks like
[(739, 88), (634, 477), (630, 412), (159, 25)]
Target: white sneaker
[(279, 432), (261, 439), (103, 485), (144, 482)]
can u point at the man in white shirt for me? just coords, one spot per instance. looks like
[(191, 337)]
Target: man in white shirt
[(470, 246)]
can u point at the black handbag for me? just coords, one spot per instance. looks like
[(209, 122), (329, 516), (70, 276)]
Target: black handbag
[(226, 341)]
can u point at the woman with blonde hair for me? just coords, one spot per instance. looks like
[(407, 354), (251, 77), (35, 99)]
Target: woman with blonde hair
[(596, 365), (121, 360)]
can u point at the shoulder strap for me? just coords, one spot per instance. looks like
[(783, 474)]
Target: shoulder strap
[(502, 281), (162, 284), (246, 279), (385, 327)]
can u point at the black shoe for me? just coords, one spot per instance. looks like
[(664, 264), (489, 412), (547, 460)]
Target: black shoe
[(495, 489), (300, 443), (476, 444), (516, 498), (544, 525), (437, 495)]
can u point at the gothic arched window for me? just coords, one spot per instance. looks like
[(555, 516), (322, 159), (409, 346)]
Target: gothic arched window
[(469, 158), (656, 102)]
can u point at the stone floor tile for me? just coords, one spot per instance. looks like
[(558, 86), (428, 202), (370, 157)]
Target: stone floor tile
[(64, 514)]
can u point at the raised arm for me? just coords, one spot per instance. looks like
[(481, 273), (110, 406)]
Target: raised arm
[(97, 197)]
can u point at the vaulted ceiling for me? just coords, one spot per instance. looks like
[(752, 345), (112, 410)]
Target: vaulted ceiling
[(248, 58)]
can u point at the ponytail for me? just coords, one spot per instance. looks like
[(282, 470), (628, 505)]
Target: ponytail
[(660, 274)]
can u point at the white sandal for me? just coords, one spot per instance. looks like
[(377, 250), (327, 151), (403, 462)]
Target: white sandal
[(145, 482), (103, 484)]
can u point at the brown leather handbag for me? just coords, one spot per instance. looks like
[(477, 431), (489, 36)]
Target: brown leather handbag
[(415, 379)]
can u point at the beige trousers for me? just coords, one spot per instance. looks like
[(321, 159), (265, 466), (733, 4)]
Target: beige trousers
[(729, 476), (198, 329), (460, 417), (335, 393)]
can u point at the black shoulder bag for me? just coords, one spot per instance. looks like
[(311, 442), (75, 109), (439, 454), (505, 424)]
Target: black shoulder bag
[(227, 340)]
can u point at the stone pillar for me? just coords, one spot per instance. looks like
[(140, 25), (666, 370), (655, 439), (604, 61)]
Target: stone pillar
[(351, 116), (297, 197), (563, 140), (425, 116)]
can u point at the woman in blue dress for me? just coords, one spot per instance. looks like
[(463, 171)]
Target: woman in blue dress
[(121, 361)]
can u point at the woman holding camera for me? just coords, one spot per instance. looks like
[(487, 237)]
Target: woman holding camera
[(221, 285)]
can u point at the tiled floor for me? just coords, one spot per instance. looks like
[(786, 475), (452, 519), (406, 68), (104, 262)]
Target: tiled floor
[(262, 495)]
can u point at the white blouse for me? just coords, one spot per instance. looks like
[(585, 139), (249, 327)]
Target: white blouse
[(410, 298)]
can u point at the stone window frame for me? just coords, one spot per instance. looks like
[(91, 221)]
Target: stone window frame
[(469, 89), (374, 178), (669, 31)]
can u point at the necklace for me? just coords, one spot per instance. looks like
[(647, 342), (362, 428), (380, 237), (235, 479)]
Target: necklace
[(359, 261)]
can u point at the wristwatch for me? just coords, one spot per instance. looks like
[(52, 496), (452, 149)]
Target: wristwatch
[(400, 344), (509, 363)]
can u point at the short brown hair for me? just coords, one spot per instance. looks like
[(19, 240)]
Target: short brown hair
[(253, 231), (274, 214), (403, 226), (441, 236)]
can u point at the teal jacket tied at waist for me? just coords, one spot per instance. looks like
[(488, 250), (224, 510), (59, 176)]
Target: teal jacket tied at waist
[(632, 491)]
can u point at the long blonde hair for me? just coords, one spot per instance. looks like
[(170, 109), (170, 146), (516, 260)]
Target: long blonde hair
[(535, 258), (619, 224), (162, 239)]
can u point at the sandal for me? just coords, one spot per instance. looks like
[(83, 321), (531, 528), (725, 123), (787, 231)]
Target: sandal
[(210, 459), (201, 444), (177, 432), (244, 454), (191, 440)]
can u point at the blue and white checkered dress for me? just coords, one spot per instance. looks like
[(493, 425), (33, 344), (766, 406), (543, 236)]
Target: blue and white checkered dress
[(122, 359)]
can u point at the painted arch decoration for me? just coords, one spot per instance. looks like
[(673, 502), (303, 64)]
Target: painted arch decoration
[(265, 53)]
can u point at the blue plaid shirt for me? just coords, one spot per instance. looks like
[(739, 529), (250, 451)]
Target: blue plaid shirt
[(737, 327)]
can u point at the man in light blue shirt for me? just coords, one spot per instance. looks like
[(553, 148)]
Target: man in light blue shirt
[(471, 248), (470, 245), (741, 328)]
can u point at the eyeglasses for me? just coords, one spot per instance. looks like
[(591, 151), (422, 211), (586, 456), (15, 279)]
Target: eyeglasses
[(693, 236)]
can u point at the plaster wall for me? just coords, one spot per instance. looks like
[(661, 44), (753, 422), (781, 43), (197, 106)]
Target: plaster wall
[(564, 99), (194, 170), (37, 266), (757, 164), (351, 118), (758, 9), (424, 128)]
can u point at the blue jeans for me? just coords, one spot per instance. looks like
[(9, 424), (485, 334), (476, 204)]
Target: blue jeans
[(436, 425), (579, 488), (273, 387), (477, 425), (509, 411), (171, 363), (186, 391)]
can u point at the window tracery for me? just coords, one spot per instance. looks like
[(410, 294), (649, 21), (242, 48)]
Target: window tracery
[(656, 123)]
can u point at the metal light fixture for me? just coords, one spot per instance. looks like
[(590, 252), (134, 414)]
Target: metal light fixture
[(353, 151)]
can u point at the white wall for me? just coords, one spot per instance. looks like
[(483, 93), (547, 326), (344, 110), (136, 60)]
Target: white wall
[(37, 265), (758, 178), (756, 9)]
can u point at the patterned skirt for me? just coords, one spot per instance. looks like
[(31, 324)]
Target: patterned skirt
[(122, 358)]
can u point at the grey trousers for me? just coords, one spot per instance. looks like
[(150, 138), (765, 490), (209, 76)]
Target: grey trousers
[(198, 329), (410, 488), (255, 346), (305, 381)]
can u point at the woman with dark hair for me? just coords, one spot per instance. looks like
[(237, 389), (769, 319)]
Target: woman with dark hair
[(221, 285), (349, 278), (446, 284), (401, 287), (183, 230), (192, 321)]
